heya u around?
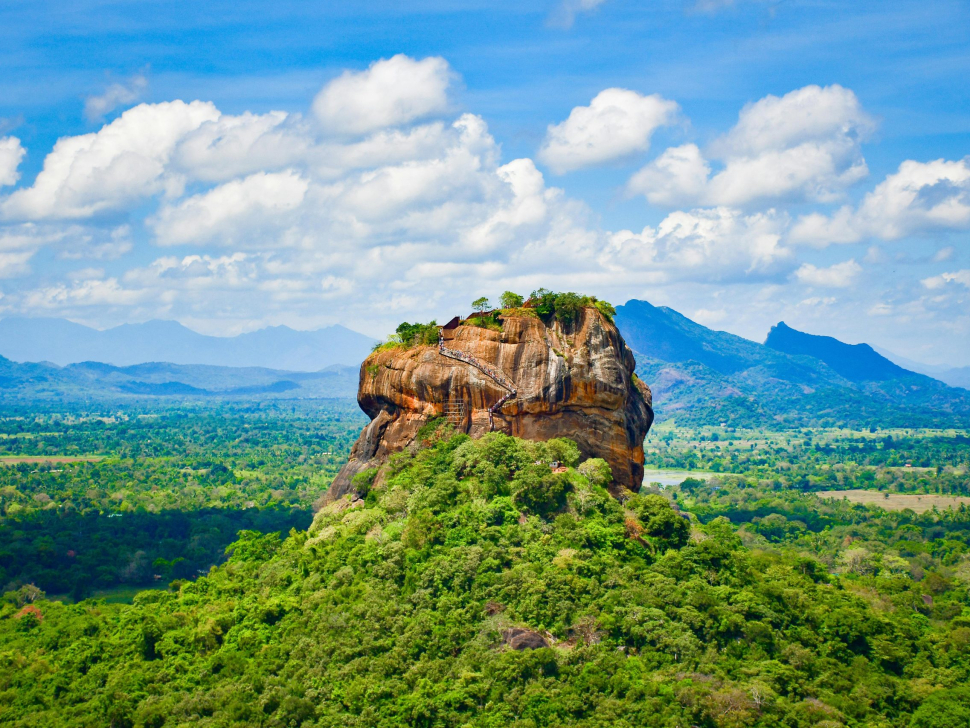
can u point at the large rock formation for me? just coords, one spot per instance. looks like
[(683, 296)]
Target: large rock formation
[(533, 379)]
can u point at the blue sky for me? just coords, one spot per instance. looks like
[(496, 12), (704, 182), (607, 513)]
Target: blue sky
[(742, 162)]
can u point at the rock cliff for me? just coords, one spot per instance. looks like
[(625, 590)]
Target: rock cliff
[(534, 379)]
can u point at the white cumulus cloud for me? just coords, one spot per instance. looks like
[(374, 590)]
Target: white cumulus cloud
[(617, 123), (804, 145), (840, 275), (680, 173), (123, 162), (11, 154), (961, 276), (719, 244), (361, 217), (229, 146), (919, 197), (390, 92), (239, 207)]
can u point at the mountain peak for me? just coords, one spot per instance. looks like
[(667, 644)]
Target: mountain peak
[(855, 362)]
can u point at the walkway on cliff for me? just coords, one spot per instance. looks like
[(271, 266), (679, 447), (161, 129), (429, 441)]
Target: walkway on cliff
[(495, 375)]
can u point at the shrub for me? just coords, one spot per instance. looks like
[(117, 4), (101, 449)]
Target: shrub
[(567, 307), (597, 472), (660, 520), (563, 450), (538, 489), (418, 334), (607, 309), (543, 301)]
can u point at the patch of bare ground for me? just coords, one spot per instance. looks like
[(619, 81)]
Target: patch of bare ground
[(918, 503)]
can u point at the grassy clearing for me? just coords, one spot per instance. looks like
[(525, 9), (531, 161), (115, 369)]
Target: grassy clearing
[(114, 595), (897, 501), (672, 477)]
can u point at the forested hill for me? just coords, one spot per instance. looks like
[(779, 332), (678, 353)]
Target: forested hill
[(475, 586), (703, 376)]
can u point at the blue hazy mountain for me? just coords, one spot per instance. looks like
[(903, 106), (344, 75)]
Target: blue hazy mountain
[(954, 376), (29, 381), (855, 362), (277, 347), (663, 334), (701, 376)]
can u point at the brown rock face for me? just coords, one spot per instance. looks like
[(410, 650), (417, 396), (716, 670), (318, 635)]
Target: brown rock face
[(570, 380)]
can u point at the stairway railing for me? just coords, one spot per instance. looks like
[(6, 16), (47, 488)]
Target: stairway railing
[(496, 376)]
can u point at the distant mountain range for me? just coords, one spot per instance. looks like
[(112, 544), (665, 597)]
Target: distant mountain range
[(954, 376), (697, 375), (702, 376), (24, 382), (277, 347)]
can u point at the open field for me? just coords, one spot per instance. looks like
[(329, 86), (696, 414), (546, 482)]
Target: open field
[(53, 459), (897, 501), (672, 477)]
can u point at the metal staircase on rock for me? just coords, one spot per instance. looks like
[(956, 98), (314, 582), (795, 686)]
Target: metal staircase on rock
[(496, 376)]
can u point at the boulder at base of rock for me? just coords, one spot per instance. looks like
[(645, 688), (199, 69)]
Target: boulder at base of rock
[(536, 379)]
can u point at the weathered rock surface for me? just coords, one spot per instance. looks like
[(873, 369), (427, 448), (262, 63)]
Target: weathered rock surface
[(571, 380)]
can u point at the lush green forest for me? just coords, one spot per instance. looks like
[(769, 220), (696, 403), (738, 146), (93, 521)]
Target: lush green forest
[(472, 585), (900, 460), (167, 493)]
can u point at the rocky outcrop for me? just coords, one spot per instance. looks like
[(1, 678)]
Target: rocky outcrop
[(534, 379)]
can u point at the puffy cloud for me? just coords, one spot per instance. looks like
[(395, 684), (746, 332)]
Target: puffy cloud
[(403, 217), (390, 92), (680, 173), (117, 94), (840, 275), (223, 214), (961, 276), (804, 145), (919, 197), (11, 154), (123, 162), (389, 146), (809, 114), (616, 123), (720, 244), (230, 146), (14, 264)]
